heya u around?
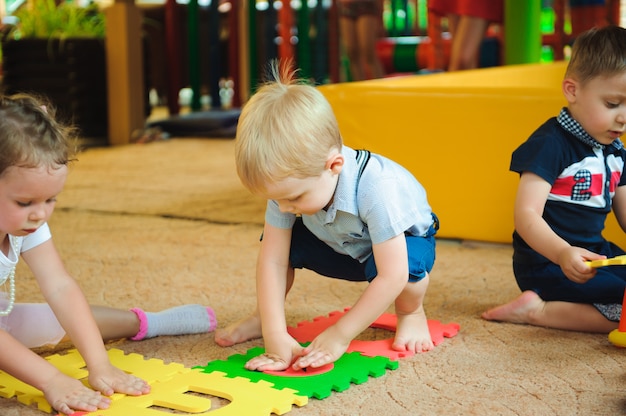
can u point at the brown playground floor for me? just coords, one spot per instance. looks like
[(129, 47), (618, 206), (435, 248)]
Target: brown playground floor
[(166, 223)]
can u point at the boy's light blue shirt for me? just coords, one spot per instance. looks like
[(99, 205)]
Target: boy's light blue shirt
[(387, 201)]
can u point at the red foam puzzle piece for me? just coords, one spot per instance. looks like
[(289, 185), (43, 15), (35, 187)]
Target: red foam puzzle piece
[(303, 372), (308, 330)]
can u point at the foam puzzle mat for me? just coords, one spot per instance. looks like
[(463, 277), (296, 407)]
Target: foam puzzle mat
[(185, 390)]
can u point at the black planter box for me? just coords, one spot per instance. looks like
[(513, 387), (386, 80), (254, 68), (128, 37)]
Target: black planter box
[(70, 72)]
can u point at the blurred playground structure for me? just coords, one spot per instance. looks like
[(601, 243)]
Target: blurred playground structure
[(216, 51), (219, 48), (235, 40), (250, 33)]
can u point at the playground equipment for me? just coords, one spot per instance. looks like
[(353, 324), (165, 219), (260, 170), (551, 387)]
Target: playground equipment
[(583, 14), (415, 54), (617, 336), (308, 33)]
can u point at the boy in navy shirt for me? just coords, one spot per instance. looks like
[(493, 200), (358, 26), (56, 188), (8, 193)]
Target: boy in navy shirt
[(571, 176)]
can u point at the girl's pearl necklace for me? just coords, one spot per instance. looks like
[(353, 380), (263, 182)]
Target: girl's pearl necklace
[(11, 278)]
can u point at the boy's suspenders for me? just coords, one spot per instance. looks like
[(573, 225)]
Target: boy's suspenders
[(362, 157)]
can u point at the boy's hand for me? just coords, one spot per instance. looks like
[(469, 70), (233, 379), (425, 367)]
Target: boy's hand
[(280, 352), (110, 379), (326, 348), (67, 395), (572, 262)]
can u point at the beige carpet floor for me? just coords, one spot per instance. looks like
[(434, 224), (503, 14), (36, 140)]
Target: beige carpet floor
[(166, 223)]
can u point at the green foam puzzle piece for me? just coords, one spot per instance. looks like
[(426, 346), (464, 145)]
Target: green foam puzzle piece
[(351, 368)]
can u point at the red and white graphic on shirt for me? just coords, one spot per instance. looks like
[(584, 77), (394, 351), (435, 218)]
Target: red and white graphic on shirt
[(585, 182)]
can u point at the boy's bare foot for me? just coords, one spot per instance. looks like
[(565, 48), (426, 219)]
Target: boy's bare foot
[(238, 332), (518, 311), (412, 333)]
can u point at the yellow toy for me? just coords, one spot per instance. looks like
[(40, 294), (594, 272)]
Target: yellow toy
[(615, 261), (617, 337)]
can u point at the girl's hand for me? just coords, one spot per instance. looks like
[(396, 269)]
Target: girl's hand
[(326, 348), (279, 354), (68, 395), (110, 379)]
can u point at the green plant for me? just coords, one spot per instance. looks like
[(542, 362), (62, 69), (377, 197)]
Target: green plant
[(46, 19)]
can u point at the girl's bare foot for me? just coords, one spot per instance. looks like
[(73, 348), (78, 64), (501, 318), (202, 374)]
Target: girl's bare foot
[(238, 332), (518, 311), (412, 333)]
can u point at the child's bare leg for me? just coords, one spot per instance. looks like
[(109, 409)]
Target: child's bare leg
[(529, 308), (115, 323), (137, 324), (247, 328), (35, 325), (412, 332)]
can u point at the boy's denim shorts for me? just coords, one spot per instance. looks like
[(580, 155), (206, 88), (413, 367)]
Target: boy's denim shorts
[(309, 252)]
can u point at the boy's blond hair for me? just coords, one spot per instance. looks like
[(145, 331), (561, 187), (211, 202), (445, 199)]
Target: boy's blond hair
[(287, 129), (598, 52)]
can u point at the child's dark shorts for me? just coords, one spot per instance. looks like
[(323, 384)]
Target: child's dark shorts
[(309, 252), (605, 291)]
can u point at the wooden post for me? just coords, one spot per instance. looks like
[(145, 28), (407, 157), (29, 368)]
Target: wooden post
[(193, 39), (125, 78), (244, 50), (173, 55), (234, 67)]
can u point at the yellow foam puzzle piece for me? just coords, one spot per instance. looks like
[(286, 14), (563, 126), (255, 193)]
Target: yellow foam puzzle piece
[(173, 387), (71, 364), (26, 394), (246, 397), (151, 370)]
